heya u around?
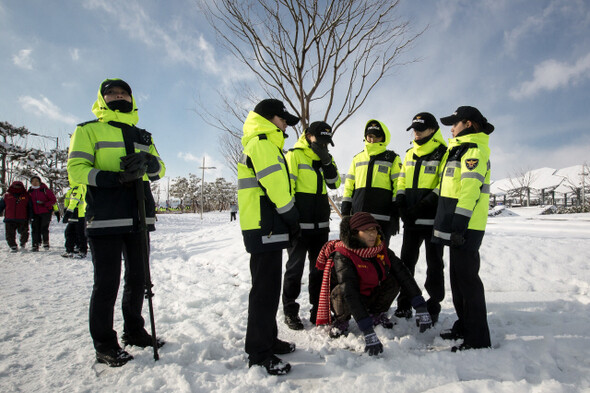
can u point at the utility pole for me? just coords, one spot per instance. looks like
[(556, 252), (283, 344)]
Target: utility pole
[(203, 183), (584, 173)]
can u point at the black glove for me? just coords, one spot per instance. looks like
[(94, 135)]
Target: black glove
[(457, 239), (129, 175), (136, 160), (67, 216), (372, 344), (57, 215), (322, 152), (294, 231), (423, 319), (409, 216)]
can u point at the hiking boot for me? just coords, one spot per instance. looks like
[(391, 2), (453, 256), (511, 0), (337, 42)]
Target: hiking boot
[(293, 322), (383, 320), (465, 347), (68, 254), (283, 347), (46, 246), (450, 334), (273, 365), (338, 329), (35, 248), (14, 249), (141, 340), (79, 255), (401, 313), (113, 357)]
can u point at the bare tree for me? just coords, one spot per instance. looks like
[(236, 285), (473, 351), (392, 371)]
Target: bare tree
[(329, 54), (521, 182)]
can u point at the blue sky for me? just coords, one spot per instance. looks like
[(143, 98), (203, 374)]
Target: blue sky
[(524, 64)]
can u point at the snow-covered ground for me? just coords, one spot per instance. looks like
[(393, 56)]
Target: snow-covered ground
[(535, 270)]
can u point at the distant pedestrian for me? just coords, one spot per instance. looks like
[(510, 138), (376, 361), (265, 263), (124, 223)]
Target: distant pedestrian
[(76, 243), (461, 219), (18, 209), (269, 221), (43, 201), (233, 210)]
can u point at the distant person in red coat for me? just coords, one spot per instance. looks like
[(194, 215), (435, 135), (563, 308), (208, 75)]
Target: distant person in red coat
[(17, 208), (43, 200)]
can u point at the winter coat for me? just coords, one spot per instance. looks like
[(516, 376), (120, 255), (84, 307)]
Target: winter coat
[(16, 203), (371, 182), (464, 190), (309, 179), (94, 159), (419, 178), (75, 203), (265, 196), (42, 198), (347, 273)]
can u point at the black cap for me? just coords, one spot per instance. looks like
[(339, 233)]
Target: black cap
[(468, 113), (374, 128), (322, 131), (115, 83), (423, 121), (271, 107)]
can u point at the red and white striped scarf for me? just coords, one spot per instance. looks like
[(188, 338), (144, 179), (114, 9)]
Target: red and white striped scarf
[(325, 263)]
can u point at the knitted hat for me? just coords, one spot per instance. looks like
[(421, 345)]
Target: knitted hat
[(362, 221), (423, 121)]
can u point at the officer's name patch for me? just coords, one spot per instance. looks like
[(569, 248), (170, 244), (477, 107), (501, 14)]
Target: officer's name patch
[(471, 163)]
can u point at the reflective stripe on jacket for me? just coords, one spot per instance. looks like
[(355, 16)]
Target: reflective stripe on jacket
[(94, 159), (308, 180), (420, 175), (265, 197), (464, 189), (371, 182)]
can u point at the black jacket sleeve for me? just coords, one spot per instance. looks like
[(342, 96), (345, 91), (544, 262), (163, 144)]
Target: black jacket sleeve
[(403, 276)]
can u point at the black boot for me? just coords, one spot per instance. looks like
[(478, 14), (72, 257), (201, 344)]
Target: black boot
[(115, 357)]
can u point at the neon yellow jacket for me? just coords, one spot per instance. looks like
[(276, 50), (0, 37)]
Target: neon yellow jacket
[(464, 190), (265, 196), (371, 182), (75, 202), (94, 159), (417, 188), (309, 179)]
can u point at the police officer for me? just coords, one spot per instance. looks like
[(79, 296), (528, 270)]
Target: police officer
[(269, 221), (417, 200), (108, 155), (371, 182), (312, 169), (461, 219), (76, 243)]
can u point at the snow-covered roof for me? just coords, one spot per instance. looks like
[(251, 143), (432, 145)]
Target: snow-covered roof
[(563, 180)]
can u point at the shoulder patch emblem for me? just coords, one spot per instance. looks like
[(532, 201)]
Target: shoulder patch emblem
[(471, 163)]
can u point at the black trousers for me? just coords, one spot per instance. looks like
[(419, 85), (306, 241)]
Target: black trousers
[(40, 228), (232, 216), (435, 279), (106, 258), (468, 297), (75, 235), (379, 301), (12, 227), (303, 246), (261, 333)]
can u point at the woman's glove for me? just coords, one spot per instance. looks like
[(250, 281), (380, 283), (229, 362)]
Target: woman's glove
[(423, 319), (372, 344)]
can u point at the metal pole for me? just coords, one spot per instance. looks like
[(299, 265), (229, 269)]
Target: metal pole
[(203, 183)]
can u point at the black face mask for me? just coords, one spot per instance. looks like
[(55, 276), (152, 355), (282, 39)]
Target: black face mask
[(424, 140), (121, 105)]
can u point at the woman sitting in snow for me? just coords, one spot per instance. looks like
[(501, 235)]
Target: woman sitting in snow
[(366, 277)]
